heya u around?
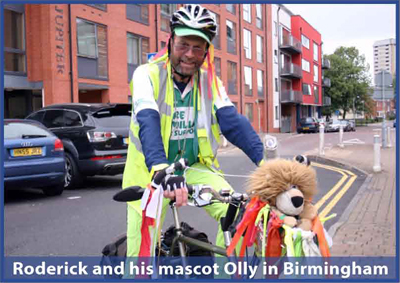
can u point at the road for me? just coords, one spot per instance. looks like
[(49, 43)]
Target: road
[(81, 222)]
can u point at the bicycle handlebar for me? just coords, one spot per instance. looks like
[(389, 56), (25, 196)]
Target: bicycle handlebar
[(196, 191)]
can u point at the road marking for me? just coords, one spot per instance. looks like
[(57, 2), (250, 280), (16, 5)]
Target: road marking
[(335, 188), (340, 194), (336, 199), (77, 197), (354, 141)]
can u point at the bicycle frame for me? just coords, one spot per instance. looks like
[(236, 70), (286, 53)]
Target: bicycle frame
[(181, 239)]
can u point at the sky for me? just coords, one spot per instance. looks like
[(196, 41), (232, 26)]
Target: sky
[(358, 25)]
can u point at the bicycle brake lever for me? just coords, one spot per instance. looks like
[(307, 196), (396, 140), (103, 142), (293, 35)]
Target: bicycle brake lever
[(198, 191)]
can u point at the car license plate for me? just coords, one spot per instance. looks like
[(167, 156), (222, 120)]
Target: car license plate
[(126, 140), (306, 128), (28, 151)]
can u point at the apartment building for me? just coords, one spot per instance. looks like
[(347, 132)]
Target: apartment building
[(58, 53), (385, 56), (297, 69)]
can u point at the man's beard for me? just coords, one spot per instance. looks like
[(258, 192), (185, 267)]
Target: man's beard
[(183, 72)]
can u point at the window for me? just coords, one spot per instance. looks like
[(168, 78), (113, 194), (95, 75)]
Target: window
[(248, 81), (231, 8), (137, 48), (217, 64), (276, 56), (275, 28), (102, 7), (166, 12), (316, 96), (53, 119), (14, 42), (247, 12), (231, 37), (92, 50), (72, 119), (276, 85), (276, 112), (217, 40), (232, 78), (248, 111), (259, 47), (138, 13), (305, 65), (315, 51), (163, 44), (305, 41), (259, 18), (315, 73), (86, 39), (260, 83), (306, 89), (247, 43)]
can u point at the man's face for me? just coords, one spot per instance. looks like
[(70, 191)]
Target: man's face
[(187, 54)]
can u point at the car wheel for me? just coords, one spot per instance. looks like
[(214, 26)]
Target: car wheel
[(54, 190), (72, 175)]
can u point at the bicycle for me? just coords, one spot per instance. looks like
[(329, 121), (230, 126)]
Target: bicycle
[(201, 195)]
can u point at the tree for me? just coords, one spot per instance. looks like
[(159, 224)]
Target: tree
[(350, 80)]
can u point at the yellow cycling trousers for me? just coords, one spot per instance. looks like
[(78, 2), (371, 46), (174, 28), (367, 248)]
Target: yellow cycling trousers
[(217, 210)]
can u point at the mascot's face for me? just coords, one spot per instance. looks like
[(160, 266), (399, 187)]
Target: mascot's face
[(285, 184), (290, 202)]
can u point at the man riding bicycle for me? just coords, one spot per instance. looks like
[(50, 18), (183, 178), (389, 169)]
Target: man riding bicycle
[(179, 109)]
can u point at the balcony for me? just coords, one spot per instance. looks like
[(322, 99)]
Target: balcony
[(326, 82), (326, 101), (290, 44), (326, 64), (291, 96), (291, 71)]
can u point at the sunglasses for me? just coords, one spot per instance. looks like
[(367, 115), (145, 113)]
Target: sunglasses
[(183, 48)]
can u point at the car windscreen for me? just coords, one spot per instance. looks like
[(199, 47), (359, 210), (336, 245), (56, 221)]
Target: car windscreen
[(113, 117), (307, 120), (18, 130)]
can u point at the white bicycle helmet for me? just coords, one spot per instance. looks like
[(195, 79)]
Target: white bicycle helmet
[(195, 17)]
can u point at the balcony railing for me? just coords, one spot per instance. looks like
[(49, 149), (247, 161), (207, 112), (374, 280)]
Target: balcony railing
[(290, 44), (327, 101), (292, 71), (326, 82), (291, 96), (326, 63)]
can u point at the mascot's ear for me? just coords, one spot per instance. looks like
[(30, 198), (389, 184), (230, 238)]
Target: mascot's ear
[(302, 159)]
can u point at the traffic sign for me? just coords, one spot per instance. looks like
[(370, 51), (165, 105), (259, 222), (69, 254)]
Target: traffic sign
[(383, 78), (150, 56)]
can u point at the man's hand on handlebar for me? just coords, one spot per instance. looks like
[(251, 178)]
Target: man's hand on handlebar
[(175, 188)]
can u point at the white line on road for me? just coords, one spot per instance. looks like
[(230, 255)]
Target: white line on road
[(76, 197)]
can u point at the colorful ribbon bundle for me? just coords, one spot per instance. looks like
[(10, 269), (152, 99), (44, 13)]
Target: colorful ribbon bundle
[(263, 227)]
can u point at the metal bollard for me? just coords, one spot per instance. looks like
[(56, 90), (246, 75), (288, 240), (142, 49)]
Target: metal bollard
[(384, 137), (341, 145), (321, 139), (377, 155), (389, 140), (270, 147)]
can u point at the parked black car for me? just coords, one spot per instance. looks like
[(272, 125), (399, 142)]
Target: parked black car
[(307, 125), (95, 137)]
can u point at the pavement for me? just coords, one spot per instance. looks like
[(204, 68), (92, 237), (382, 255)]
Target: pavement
[(368, 225)]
